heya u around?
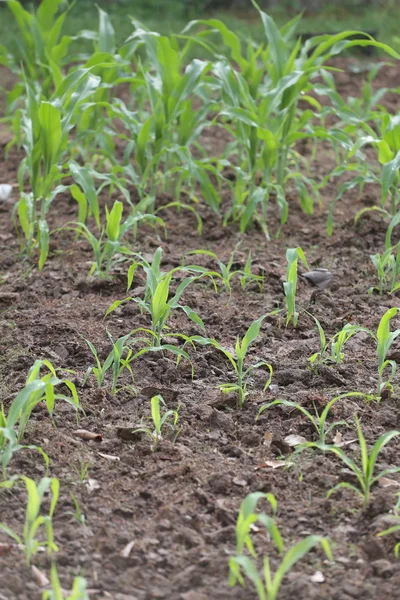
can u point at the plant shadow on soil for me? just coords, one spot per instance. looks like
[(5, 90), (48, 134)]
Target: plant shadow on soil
[(179, 504)]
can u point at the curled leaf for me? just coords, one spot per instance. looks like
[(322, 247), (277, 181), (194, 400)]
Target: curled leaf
[(83, 434), (39, 577)]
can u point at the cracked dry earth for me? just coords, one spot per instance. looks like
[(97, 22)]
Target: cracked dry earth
[(178, 505)]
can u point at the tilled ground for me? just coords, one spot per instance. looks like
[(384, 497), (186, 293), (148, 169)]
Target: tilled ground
[(178, 505)]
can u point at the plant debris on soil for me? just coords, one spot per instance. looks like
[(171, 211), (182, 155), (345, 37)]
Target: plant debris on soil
[(161, 524)]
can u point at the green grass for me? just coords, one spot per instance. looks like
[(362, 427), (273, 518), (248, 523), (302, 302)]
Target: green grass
[(170, 17)]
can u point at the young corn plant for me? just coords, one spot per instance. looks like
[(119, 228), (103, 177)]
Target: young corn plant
[(384, 339), (238, 358), (171, 83), (156, 301), (45, 126), (36, 390), (393, 529), (160, 421), (117, 360), (387, 267), (332, 351), (226, 273), (78, 592), (39, 51), (269, 583), (290, 286), (317, 420), (108, 249), (364, 469), (34, 520)]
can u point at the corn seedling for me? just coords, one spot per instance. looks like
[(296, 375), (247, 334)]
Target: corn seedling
[(34, 520), (159, 421), (363, 470), (108, 249), (226, 273), (269, 583), (45, 126), (387, 267), (56, 592), (384, 339), (332, 351), (317, 420), (117, 360), (36, 389), (77, 513), (39, 50), (290, 285), (237, 360), (156, 301), (393, 529)]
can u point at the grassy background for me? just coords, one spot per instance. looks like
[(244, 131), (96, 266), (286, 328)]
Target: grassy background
[(170, 16)]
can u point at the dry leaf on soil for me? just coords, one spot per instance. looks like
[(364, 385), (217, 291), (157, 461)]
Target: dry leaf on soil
[(83, 434), (40, 578), (273, 464), (294, 440), (125, 552), (239, 482), (109, 457), (386, 482)]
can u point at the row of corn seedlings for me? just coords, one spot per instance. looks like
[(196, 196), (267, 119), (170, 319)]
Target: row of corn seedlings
[(65, 115)]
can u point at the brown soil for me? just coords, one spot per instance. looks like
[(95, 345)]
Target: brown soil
[(178, 505)]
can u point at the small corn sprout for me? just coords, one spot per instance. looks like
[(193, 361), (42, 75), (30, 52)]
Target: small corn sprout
[(108, 249), (116, 361), (156, 300), (393, 529), (319, 420), (387, 266), (385, 338), (290, 286), (36, 389), (268, 585), (363, 471), (335, 344), (226, 273), (33, 519), (78, 592), (159, 421), (237, 360)]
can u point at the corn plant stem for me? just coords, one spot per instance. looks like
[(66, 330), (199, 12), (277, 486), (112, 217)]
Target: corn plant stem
[(240, 382)]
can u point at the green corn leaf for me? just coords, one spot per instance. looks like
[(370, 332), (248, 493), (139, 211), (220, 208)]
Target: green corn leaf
[(159, 300), (44, 241), (383, 334), (83, 178), (51, 133), (80, 197), (106, 41), (155, 413), (251, 335), (291, 557), (114, 221), (389, 172)]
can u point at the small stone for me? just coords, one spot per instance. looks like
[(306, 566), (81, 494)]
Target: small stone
[(353, 591), (221, 420), (239, 482), (220, 483), (383, 568), (373, 549)]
